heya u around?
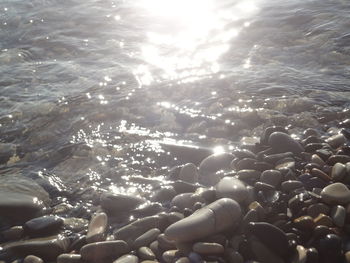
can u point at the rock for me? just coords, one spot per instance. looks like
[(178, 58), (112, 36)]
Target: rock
[(32, 259), (210, 165), (271, 236), (104, 250), (263, 254), (164, 194), (14, 233), (336, 140), (46, 248), (248, 175), (233, 188), (146, 238), (336, 193), (282, 142), (338, 215), (69, 258), (338, 172), (268, 131), (316, 159), (18, 207), (272, 177), (127, 259), (184, 187), (165, 243), (146, 253), (186, 200), (97, 228), (320, 174), (305, 223), (183, 260), (118, 203), (42, 226), (75, 224), (204, 248), (316, 209), (300, 255), (216, 217), (338, 158), (132, 231), (291, 185), (170, 256), (188, 173), (323, 220)]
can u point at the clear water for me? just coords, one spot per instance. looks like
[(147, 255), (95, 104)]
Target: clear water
[(95, 95)]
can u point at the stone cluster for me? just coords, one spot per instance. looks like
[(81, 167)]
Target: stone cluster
[(282, 200)]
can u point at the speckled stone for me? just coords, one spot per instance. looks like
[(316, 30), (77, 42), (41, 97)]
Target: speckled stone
[(336, 193)]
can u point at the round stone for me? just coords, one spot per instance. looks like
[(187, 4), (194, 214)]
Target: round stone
[(272, 177), (188, 173), (336, 193), (338, 215), (32, 259), (282, 142), (338, 172), (233, 188)]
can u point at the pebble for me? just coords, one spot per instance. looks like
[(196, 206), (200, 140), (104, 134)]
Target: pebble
[(204, 248), (338, 215), (32, 259), (336, 140), (300, 255), (183, 260), (316, 209), (13, 233), (248, 175), (127, 259), (146, 238), (338, 172), (304, 223), (170, 256), (282, 142), (336, 193), (210, 165), (274, 158), (165, 243), (164, 194), (188, 173), (271, 236), (145, 253), (104, 250), (213, 218), (75, 224), (263, 253), (316, 159), (233, 188), (290, 185), (97, 228), (272, 177), (42, 226), (323, 220), (268, 131), (46, 248), (117, 203), (186, 200), (320, 174), (69, 258), (338, 158)]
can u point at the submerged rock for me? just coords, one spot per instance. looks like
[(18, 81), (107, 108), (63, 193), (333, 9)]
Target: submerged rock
[(117, 203)]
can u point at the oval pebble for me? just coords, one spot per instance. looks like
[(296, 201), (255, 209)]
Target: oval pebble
[(336, 193), (204, 248), (233, 188), (97, 228), (106, 249)]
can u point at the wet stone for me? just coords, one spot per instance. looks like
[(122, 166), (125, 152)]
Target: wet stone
[(248, 175), (282, 142), (69, 258), (263, 253), (146, 238), (170, 256), (213, 218), (188, 173), (338, 172), (338, 214), (183, 260), (336, 140), (323, 220), (104, 250), (186, 200), (165, 243), (97, 228), (272, 177), (304, 223), (316, 159), (244, 153), (233, 188), (32, 259), (127, 259), (42, 226), (271, 236), (300, 255), (290, 185), (274, 158), (336, 193), (316, 209), (146, 253), (117, 203), (164, 194), (338, 159), (204, 248), (320, 174), (14, 233), (268, 131)]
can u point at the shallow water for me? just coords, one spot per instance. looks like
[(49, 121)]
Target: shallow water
[(98, 95)]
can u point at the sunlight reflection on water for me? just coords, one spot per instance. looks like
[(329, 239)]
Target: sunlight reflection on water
[(192, 37)]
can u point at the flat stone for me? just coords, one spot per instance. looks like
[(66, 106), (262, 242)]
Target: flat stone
[(145, 253), (211, 219), (32, 259), (210, 165), (338, 215), (320, 174), (271, 236), (117, 203), (69, 258), (290, 185), (338, 172), (42, 226), (130, 232), (336, 193), (282, 142), (97, 228), (104, 250), (188, 173), (272, 177), (146, 238), (205, 248), (127, 259), (233, 188), (46, 248)]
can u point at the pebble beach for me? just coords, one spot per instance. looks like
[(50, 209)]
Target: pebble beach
[(174, 131)]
